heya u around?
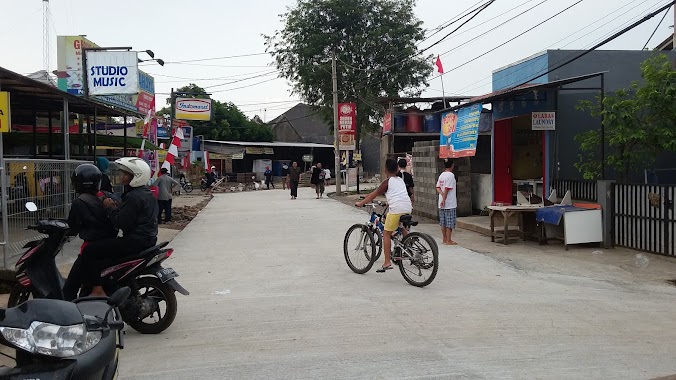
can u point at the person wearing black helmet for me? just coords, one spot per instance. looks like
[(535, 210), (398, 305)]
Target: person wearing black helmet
[(88, 219)]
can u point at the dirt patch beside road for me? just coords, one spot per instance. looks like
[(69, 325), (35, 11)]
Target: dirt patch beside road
[(184, 209)]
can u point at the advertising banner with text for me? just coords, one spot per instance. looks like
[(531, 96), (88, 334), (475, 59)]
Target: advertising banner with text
[(347, 126), (112, 72), (193, 109), (459, 132)]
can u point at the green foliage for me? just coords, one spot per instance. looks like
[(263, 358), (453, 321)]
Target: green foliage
[(375, 42), (640, 123), (227, 121)]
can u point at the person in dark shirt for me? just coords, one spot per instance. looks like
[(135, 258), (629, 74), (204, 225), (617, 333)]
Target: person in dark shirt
[(268, 178), (136, 216), (102, 163), (293, 177), (318, 179), (88, 219), (407, 177)]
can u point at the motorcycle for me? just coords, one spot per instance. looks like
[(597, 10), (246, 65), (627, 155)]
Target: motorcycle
[(150, 309), (55, 339), (186, 185)]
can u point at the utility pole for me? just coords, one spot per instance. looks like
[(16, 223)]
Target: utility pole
[(334, 78)]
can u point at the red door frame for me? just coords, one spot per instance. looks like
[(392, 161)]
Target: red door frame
[(502, 161)]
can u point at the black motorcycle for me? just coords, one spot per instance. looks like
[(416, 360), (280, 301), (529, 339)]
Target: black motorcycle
[(56, 339), (150, 309)]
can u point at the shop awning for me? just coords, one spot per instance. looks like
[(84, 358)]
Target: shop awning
[(102, 141)]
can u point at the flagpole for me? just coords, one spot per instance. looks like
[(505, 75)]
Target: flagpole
[(443, 92)]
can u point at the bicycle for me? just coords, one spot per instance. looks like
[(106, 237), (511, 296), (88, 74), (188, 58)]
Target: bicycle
[(408, 252)]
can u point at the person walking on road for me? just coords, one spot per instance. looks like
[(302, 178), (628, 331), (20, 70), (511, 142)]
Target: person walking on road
[(164, 184), (448, 202), (318, 179), (285, 176), (294, 178), (268, 178)]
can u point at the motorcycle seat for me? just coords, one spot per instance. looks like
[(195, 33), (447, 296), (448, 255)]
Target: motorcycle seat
[(144, 253)]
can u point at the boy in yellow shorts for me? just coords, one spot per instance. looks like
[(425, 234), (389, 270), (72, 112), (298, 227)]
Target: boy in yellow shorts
[(399, 204)]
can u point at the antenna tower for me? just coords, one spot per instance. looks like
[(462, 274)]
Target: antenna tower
[(45, 35)]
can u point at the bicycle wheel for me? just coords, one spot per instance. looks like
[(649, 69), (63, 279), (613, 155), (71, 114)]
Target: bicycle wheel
[(378, 237), (188, 188), (420, 263), (359, 248)]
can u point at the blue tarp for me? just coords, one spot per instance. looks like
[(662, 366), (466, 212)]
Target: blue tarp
[(553, 214)]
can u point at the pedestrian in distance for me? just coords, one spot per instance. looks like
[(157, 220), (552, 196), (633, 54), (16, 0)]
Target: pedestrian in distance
[(285, 176), (164, 184), (318, 179), (448, 202), (268, 178), (398, 202), (407, 177), (294, 176)]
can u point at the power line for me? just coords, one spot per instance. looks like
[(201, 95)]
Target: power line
[(482, 81), (247, 86), (217, 58), (493, 29), (213, 78), (511, 39), (207, 65), (460, 26), (453, 20), (657, 27), (242, 80)]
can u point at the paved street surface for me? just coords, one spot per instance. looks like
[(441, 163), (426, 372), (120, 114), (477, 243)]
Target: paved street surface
[(272, 298)]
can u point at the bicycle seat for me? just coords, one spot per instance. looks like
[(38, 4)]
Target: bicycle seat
[(407, 221)]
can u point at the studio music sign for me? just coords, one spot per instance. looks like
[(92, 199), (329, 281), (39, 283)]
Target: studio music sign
[(112, 72)]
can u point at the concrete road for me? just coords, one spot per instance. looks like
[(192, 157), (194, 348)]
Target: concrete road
[(272, 298)]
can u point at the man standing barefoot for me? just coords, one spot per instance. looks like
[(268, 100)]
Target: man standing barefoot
[(294, 178), (448, 202)]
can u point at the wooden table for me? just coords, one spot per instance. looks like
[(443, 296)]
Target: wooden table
[(507, 212)]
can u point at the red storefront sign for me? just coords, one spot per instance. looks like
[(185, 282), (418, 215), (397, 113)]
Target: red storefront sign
[(347, 126)]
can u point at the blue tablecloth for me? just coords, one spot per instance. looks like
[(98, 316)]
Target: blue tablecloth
[(553, 214)]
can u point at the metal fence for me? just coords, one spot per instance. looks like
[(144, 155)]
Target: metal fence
[(644, 218), (43, 182), (580, 190)]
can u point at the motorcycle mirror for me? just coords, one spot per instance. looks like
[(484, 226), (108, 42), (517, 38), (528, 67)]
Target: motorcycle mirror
[(30, 206), (119, 296)]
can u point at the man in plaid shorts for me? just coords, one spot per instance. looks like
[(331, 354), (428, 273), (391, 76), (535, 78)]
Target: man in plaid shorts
[(448, 202)]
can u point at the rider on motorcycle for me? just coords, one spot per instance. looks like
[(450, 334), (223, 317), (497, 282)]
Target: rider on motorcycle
[(136, 217), (87, 218)]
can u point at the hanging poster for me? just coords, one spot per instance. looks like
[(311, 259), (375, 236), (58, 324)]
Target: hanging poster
[(459, 132)]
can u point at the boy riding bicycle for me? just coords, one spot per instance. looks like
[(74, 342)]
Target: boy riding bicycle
[(399, 203)]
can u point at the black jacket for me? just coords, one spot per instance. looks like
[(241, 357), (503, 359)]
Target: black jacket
[(137, 216), (89, 219)]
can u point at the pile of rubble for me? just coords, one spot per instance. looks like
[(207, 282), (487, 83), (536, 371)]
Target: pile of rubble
[(181, 216)]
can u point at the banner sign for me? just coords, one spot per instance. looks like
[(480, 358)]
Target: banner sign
[(70, 73), (387, 123), (347, 126), (459, 132), (193, 109), (112, 72), (5, 118), (145, 99), (543, 121)]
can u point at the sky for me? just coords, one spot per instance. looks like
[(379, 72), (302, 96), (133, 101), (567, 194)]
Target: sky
[(179, 30)]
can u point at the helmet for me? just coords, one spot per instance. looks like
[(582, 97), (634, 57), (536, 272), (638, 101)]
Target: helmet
[(137, 167), (86, 179)]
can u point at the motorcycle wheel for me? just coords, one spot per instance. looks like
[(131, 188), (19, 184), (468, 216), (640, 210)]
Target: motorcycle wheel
[(151, 287), (18, 296), (188, 188)]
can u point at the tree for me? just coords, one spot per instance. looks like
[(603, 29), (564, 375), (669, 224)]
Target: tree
[(640, 123), (374, 41), (227, 121)]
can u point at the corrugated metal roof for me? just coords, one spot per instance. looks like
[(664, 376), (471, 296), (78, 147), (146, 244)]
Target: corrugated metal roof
[(272, 144)]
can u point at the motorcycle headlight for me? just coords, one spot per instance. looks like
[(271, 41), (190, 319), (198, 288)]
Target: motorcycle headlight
[(52, 340)]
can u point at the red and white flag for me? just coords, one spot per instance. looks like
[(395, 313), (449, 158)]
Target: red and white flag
[(440, 67), (172, 153), (207, 164)]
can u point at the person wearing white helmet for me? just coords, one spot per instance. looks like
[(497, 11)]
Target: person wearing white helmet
[(136, 217)]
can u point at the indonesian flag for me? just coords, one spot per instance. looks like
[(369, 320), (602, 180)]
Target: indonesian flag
[(172, 153), (207, 165), (440, 67)]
